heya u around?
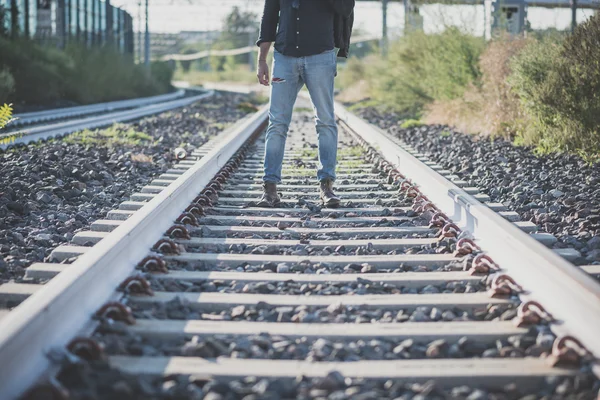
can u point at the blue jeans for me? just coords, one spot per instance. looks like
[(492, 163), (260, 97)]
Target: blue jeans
[(289, 75)]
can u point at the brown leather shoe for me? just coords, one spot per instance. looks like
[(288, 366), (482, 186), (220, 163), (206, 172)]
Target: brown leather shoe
[(329, 198), (270, 198)]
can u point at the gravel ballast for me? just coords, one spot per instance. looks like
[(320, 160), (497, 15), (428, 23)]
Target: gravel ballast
[(558, 192), (102, 382), (52, 190), (276, 347)]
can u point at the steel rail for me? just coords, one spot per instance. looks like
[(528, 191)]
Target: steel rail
[(538, 269), (73, 296), (78, 111), (63, 128)]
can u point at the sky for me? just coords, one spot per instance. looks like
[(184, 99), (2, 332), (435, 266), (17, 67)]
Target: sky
[(199, 15)]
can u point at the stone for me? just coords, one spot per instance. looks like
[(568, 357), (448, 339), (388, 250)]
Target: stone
[(283, 268)]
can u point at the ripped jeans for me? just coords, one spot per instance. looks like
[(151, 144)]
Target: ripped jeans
[(317, 72)]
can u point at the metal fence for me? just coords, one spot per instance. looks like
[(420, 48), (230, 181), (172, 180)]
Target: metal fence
[(91, 22)]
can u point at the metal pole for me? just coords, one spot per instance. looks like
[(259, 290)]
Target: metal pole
[(251, 53), (147, 42), (573, 15), (139, 36), (406, 4), (384, 33)]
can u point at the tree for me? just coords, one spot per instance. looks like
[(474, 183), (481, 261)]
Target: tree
[(3, 21), (239, 30)]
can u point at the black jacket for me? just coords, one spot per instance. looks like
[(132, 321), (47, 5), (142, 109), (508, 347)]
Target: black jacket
[(342, 25)]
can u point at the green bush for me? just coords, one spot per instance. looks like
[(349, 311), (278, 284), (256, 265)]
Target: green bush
[(7, 84), (558, 85), (354, 71), (102, 74), (422, 68), (44, 75), (162, 73), (39, 74)]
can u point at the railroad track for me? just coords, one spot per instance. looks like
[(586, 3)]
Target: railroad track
[(413, 280), (43, 125)]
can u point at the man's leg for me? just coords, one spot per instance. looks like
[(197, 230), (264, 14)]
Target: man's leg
[(285, 85), (319, 74)]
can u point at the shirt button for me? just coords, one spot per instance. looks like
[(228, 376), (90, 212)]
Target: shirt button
[(297, 46), (297, 33), (298, 18)]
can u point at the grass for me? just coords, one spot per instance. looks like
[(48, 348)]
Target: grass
[(353, 151), (247, 107), (364, 104), (241, 74), (298, 171), (303, 109), (411, 123), (310, 153), (115, 135), (353, 163)]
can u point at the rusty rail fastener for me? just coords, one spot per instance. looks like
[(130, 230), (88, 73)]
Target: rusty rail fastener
[(203, 200), (392, 176), (466, 246), (210, 193), (412, 192), (195, 210), (423, 205), (405, 185), (187, 218), (178, 232), (153, 264), (567, 352), (450, 230), (483, 264), (215, 185), (116, 311), (503, 286), (531, 313), (86, 348), (136, 285), (438, 220), (166, 246)]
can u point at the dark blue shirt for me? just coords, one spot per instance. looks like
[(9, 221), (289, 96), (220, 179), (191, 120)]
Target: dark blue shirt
[(300, 32)]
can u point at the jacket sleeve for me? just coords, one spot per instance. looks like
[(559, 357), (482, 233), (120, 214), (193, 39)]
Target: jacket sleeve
[(268, 24), (343, 7)]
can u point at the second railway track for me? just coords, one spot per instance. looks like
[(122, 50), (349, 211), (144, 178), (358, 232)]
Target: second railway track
[(56, 123), (384, 297)]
